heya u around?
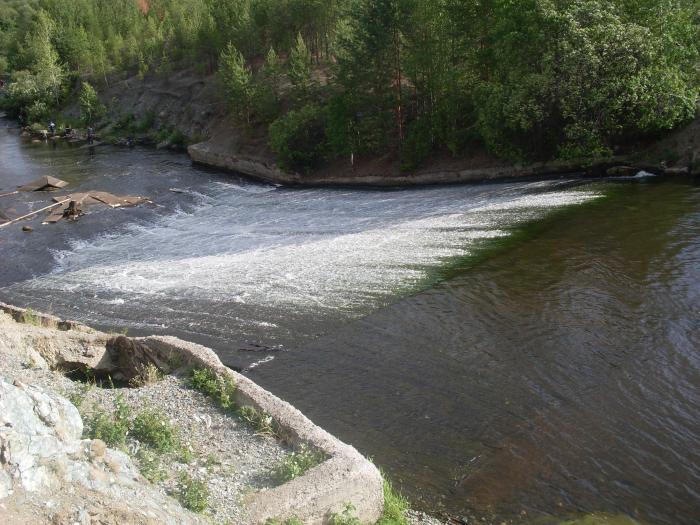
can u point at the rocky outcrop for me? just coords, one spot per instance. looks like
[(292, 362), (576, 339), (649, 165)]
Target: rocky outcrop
[(48, 474)]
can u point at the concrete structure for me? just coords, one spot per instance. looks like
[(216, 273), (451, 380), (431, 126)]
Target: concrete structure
[(346, 477)]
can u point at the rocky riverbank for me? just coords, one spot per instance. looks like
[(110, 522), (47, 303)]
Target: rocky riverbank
[(188, 109), (95, 422)]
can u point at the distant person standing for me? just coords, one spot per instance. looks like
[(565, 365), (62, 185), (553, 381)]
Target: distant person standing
[(52, 128), (90, 135)]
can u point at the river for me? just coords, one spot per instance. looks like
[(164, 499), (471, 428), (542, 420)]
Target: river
[(509, 351)]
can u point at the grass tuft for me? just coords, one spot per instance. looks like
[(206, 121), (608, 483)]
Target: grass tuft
[(29, 316), (347, 517), (261, 421), (193, 494), (147, 375), (111, 428), (395, 506), (298, 463), (220, 389), (152, 428)]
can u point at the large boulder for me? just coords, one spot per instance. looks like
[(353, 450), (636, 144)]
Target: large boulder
[(50, 475)]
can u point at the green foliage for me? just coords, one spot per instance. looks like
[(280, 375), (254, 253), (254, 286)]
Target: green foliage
[(237, 79), (29, 316), (152, 428), (112, 428), (193, 494), (300, 67), (77, 397), (148, 374), (90, 105), (347, 517), (221, 389), (299, 138), (261, 421), (298, 463), (531, 79), (395, 507), (267, 89), (570, 79), (150, 465)]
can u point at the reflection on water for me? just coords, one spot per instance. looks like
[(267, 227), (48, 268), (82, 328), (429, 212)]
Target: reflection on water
[(511, 350)]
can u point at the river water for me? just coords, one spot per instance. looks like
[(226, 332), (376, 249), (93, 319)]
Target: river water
[(508, 351)]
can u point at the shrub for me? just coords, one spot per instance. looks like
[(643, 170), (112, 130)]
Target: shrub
[(29, 316), (152, 428), (111, 428), (193, 494), (298, 463), (38, 112), (90, 105), (299, 138)]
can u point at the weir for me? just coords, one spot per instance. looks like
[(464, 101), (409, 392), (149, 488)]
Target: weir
[(502, 325)]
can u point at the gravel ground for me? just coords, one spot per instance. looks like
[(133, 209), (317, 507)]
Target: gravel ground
[(226, 454)]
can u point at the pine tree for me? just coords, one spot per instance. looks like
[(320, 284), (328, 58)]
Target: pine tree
[(237, 79), (300, 67)]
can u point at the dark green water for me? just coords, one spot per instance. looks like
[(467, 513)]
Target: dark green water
[(509, 351), (558, 375)]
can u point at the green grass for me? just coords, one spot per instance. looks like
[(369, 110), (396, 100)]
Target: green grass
[(111, 428), (193, 494), (347, 517), (29, 316), (150, 465), (220, 389), (152, 428), (77, 397), (395, 507), (298, 463), (261, 421)]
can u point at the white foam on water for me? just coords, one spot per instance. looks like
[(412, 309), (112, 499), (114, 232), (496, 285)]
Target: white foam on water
[(312, 249)]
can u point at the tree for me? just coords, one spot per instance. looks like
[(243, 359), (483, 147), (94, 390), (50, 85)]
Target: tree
[(90, 105), (237, 79), (300, 67)]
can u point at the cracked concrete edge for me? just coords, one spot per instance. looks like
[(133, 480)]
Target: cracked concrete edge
[(345, 478), (28, 316)]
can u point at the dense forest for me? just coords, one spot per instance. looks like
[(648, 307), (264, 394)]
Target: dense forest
[(524, 79)]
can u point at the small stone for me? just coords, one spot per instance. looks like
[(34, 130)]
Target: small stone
[(27, 229)]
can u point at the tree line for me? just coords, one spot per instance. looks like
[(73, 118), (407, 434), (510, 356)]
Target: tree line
[(525, 79)]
